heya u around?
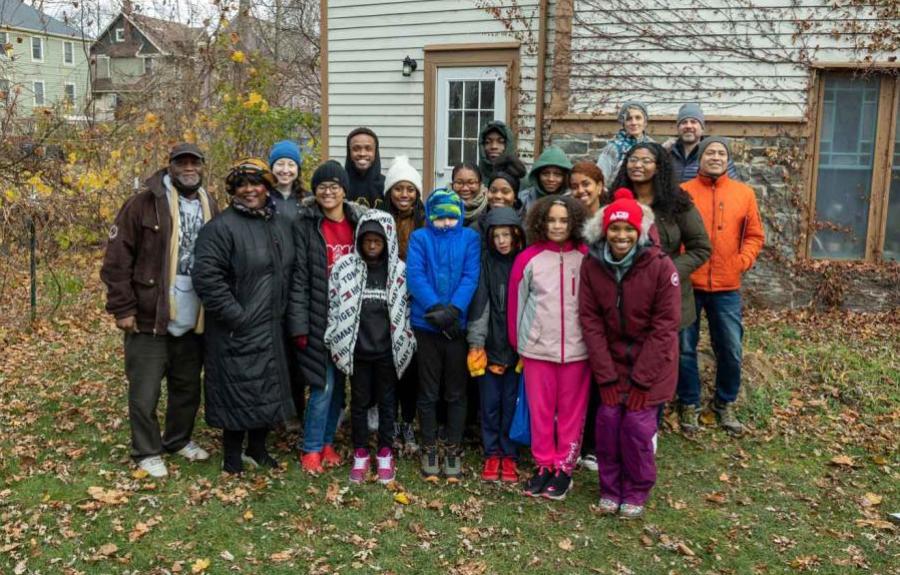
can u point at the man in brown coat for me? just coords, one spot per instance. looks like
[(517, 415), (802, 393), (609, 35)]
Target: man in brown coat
[(147, 272)]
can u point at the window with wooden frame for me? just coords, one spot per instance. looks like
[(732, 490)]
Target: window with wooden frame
[(855, 197), (68, 53)]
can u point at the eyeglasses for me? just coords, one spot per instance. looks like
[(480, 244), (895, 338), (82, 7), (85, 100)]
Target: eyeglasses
[(467, 184), (634, 160), (332, 188)]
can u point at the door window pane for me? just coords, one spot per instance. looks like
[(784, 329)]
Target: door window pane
[(845, 166), (471, 95), (471, 126), (454, 126), (38, 93), (454, 151), (892, 231), (470, 151), (456, 90), (487, 95)]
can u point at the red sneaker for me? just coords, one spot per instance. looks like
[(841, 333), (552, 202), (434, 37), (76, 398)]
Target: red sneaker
[(509, 470), (312, 463), (491, 471), (330, 457)]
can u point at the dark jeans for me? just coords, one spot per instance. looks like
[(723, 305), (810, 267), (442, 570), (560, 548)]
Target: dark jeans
[(407, 390), (723, 315), (442, 367), (148, 359), (372, 382), (498, 404)]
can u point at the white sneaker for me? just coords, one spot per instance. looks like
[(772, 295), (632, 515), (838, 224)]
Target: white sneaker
[(154, 466), (589, 462), (193, 452)]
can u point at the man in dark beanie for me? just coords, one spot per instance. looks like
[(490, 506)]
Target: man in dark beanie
[(147, 272), (732, 221), (685, 148), (363, 166)]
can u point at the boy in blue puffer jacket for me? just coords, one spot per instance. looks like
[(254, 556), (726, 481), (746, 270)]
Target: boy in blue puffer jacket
[(442, 264)]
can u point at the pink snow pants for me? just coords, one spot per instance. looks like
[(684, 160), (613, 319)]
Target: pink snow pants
[(557, 399)]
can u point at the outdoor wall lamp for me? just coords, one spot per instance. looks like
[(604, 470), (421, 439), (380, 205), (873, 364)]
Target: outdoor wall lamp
[(409, 66)]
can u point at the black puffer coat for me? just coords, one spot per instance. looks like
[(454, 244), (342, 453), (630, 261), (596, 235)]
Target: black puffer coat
[(308, 308), (242, 270)]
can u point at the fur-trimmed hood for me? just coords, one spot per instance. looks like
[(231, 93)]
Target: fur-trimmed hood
[(593, 228)]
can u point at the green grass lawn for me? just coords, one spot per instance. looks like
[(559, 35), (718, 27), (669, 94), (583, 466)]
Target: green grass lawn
[(808, 489)]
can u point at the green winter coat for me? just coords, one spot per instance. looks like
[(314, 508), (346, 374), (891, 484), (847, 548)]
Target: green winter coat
[(552, 156), (684, 228)]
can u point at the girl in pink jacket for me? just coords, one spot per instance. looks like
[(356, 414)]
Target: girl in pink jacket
[(544, 329)]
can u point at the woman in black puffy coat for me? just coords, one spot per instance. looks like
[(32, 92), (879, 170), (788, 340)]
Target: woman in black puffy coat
[(242, 270)]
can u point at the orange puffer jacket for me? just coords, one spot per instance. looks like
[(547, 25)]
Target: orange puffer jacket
[(732, 221)]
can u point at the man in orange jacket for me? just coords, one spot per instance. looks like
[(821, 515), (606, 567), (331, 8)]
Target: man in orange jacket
[(732, 221)]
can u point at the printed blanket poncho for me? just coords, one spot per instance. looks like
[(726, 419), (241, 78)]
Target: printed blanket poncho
[(346, 286)]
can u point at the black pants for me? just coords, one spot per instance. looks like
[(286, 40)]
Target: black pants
[(233, 446), (298, 382), (407, 391), (372, 382), (148, 359), (590, 425), (442, 367)]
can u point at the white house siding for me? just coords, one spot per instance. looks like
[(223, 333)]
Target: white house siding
[(764, 72), (367, 42)]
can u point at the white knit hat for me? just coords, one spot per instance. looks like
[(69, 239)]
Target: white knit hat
[(402, 171)]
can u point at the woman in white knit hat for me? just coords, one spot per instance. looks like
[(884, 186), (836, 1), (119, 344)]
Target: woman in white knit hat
[(403, 200)]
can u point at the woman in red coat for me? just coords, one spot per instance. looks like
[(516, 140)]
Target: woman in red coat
[(630, 309)]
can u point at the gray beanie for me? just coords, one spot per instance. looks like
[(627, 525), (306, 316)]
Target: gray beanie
[(705, 142), (623, 111), (691, 110)]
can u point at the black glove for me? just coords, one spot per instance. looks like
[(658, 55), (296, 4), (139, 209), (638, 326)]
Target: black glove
[(455, 329), (442, 317)]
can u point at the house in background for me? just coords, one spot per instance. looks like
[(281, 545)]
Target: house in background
[(43, 61), (135, 52), (808, 92)]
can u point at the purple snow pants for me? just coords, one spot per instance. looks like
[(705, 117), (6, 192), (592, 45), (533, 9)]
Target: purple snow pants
[(625, 459)]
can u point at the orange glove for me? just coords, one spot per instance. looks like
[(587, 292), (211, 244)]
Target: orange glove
[(520, 366), (497, 369), (477, 361)]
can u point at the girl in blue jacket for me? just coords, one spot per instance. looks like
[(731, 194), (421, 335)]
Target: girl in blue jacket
[(442, 264)]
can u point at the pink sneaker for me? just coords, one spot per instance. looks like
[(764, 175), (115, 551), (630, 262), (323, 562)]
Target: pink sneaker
[(361, 462), (386, 472)]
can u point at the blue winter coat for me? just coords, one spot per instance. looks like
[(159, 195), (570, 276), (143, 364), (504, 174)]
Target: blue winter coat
[(442, 267)]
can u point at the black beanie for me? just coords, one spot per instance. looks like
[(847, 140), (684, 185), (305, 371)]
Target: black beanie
[(330, 171)]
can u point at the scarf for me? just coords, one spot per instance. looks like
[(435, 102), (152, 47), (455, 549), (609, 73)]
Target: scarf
[(266, 212), (175, 240), (621, 266), (623, 142), (475, 206), (345, 291)]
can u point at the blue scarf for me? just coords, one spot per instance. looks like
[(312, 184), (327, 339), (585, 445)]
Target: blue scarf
[(620, 267)]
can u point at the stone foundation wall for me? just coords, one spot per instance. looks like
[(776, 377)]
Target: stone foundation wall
[(780, 278)]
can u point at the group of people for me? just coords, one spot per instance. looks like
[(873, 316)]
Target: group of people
[(572, 295)]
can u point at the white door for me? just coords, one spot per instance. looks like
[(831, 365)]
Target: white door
[(467, 99)]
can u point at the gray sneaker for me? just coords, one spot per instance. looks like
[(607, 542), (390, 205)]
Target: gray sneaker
[(727, 419), (453, 467), (431, 469), (689, 418), (628, 511)]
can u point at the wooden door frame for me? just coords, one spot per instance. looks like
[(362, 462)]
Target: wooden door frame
[(463, 56)]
